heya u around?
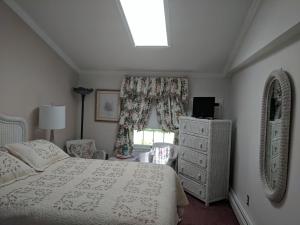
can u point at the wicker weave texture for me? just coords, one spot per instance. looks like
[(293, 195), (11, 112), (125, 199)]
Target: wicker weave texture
[(204, 159), (12, 130)]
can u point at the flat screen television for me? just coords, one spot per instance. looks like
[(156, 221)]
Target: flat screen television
[(204, 107)]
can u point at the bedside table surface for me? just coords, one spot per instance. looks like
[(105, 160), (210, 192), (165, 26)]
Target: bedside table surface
[(161, 156)]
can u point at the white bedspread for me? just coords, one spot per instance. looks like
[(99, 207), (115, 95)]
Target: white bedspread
[(88, 192)]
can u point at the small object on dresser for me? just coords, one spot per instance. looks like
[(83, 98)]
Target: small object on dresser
[(125, 151)]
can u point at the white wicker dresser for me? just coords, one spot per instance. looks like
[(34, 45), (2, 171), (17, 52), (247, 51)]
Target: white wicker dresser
[(203, 162)]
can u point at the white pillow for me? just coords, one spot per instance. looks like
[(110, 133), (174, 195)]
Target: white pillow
[(3, 149), (39, 154), (12, 169)]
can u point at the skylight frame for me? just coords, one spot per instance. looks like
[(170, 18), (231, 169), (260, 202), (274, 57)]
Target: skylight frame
[(166, 8)]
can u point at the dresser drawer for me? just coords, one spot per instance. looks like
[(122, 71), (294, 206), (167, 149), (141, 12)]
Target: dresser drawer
[(274, 165), (275, 129), (194, 126), (193, 156), (275, 147), (193, 142), (198, 190), (192, 171), (199, 128), (185, 125)]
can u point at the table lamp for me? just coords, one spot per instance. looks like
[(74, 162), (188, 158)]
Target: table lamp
[(52, 118)]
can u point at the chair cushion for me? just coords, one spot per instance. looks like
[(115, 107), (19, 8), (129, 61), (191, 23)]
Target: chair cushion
[(84, 148)]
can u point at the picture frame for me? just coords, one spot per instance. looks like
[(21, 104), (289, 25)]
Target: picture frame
[(107, 105)]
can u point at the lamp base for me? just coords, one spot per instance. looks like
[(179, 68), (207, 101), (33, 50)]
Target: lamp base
[(52, 136)]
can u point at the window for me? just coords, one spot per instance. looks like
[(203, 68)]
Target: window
[(149, 136), (146, 21)]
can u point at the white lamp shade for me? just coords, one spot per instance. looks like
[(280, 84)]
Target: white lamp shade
[(52, 117)]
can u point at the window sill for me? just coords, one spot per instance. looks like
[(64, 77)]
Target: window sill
[(141, 148)]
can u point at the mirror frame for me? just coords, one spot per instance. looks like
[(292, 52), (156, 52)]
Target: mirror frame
[(281, 76)]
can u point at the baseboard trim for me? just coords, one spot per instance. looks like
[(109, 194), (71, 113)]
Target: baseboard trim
[(238, 209)]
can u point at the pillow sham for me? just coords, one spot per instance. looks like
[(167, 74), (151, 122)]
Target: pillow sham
[(3, 149), (12, 169), (39, 154)]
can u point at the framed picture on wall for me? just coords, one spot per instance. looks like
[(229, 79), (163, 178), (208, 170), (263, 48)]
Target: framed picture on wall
[(107, 105)]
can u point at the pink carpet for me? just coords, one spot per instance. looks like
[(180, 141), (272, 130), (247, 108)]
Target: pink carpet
[(219, 213)]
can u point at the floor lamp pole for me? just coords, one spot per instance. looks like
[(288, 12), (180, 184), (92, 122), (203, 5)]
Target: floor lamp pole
[(82, 115), (83, 92)]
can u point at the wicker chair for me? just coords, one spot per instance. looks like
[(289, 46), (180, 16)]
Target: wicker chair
[(166, 152), (84, 148)]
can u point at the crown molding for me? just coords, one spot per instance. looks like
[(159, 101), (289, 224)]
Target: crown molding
[(189, 74), (245, 27), (42, 34), (285, 39)]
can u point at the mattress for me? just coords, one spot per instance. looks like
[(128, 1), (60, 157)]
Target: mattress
[(78, 191)]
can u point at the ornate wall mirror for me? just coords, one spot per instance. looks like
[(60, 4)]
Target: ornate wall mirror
[(275, 127)]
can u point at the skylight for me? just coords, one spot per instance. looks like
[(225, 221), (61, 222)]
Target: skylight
[(146, 21)]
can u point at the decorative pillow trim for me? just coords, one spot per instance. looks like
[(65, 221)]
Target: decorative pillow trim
[(19, 178), (39, 154), (13, 169), (3, 149)]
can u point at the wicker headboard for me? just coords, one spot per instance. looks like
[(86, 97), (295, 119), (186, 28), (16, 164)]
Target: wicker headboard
[(12, 130)]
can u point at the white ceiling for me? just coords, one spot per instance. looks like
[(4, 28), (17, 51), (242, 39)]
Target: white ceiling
[(92, 33)]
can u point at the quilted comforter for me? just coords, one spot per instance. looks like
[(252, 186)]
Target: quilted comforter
[(88, 192)]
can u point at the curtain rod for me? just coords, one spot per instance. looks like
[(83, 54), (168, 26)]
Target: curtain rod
[(155, 76)]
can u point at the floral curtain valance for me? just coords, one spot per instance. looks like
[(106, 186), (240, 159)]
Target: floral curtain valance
[(139, 95), (155, 87)]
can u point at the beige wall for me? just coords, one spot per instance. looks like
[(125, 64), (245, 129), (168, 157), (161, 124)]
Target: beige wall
[(105, 133), (247, 91), (31, 74)]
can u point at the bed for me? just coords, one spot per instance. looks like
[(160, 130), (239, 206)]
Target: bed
[(76, 191)]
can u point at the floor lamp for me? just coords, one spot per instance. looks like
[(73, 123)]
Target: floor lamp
[(83, 92)]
